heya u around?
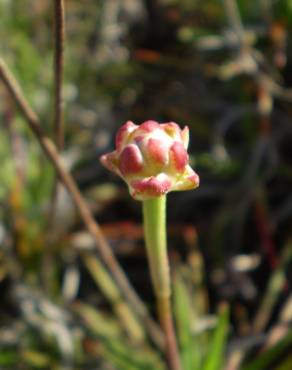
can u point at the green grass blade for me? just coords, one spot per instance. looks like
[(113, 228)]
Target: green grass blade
[(215, 356), (115, 346), (266, 358), (286, 364), (189, 346)]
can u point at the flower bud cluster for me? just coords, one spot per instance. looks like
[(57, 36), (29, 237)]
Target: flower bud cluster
[(152, 158)]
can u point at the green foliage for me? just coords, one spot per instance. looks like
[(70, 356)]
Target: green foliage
[(216, 348), (267, 358), (190, 342)]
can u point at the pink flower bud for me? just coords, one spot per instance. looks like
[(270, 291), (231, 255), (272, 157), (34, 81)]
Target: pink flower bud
[(152, 158)]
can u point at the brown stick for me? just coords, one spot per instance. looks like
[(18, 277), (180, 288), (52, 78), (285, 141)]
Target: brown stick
[(58, 119), (59, 29), (85, 213)]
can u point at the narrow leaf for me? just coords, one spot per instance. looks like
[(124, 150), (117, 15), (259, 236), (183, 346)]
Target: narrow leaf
[(215, 356)]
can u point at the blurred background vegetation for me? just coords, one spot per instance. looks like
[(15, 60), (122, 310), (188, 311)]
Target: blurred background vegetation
[(224, 69)]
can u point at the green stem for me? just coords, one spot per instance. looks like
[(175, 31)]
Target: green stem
[(154, 213)]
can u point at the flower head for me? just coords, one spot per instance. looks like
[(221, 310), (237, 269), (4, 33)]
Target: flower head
[(152, 158)]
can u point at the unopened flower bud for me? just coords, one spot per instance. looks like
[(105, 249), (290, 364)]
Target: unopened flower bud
[(152, 158)]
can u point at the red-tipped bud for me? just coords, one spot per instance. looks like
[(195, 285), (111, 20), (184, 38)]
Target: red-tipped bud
[(130, 160), (152, 158), (178, 156)]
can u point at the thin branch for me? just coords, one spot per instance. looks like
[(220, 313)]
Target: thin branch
[(59, 28), (85, 213), (58, 118)]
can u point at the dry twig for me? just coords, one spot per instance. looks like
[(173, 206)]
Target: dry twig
[(59, 72)]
